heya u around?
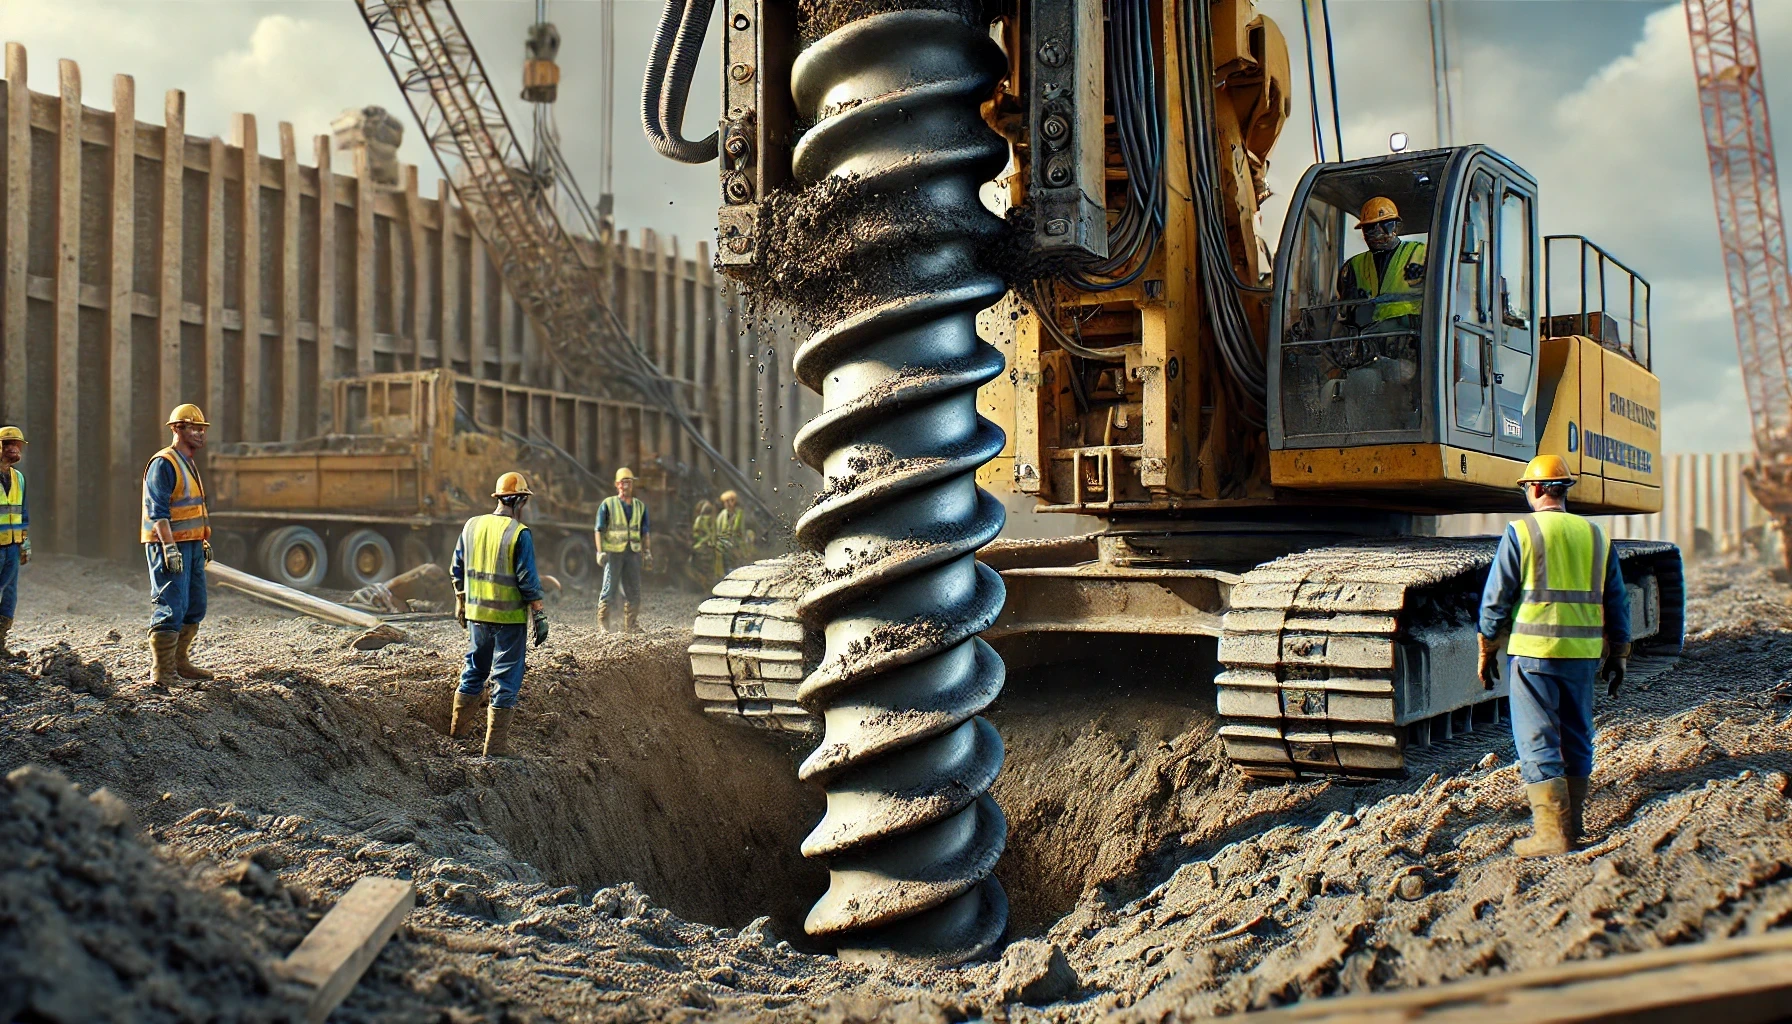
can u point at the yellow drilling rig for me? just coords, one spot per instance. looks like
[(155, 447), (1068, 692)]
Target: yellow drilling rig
[(1265, 440)]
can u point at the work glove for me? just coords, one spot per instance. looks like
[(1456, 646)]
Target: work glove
[(25, 553), (647, 561), (172, 560), (600, 559), (208, 551), (541, 627), (460, 609), (1617, 662), (1487, 665)]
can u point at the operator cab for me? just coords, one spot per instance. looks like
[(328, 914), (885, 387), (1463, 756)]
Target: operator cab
[(1407, 340)]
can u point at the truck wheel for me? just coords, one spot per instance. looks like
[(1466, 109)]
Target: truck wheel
[(230, 548), (413, 551), (574, 561), (364, 557), (294, 556)]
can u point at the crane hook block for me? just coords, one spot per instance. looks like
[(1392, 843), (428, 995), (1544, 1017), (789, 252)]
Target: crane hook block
[(541, 76)]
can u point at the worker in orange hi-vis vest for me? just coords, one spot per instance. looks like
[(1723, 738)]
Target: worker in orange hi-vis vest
[(176, 540)]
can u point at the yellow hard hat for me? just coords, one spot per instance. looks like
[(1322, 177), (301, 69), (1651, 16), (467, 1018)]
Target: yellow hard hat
[(730, 496), (624, 473), (13, 434), (187, 413), (509, 484), (1547, 469), (1377, 210)]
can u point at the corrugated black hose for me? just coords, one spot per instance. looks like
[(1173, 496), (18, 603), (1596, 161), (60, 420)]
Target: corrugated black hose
[(677, 43)]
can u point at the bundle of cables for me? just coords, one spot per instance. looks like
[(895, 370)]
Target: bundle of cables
[(1138, 230)]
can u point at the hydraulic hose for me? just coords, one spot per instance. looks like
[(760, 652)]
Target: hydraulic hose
[(677, 43)]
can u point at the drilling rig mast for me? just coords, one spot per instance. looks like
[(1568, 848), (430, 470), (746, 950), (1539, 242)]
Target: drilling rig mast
[(1739, 142)]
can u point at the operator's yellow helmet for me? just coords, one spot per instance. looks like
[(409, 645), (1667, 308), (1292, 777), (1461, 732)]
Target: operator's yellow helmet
[(624, 473), (1376, 210), (510, 484), (189, 414), (1547, 469), (730, 496), (13, 434)]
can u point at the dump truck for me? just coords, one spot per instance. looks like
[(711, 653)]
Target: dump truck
[(412, 456)]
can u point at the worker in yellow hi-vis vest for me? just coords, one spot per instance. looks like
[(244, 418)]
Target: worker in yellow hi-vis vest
[(624, 543), (496, 589), (15, 521), (1556, 599), (176, 538), (1388, 279)]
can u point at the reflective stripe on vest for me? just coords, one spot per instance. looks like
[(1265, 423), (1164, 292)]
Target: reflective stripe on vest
[(186, 505), (1394, 286), (488, 558), (1561, 613), (12, 509), (623, 531)]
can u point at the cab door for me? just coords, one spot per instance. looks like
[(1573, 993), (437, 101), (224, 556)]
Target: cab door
[(1471, 329), (1515, 285)]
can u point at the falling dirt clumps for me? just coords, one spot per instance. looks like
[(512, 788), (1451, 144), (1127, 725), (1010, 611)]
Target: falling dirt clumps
[(94, 927)]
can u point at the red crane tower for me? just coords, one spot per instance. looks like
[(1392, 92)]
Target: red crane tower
[(1739, 143)]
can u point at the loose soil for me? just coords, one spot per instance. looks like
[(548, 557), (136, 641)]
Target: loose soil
[(569, 883)]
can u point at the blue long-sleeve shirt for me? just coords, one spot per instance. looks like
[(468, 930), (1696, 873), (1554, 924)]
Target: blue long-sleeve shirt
[(603, 516), (158, 487), (1505, 582), (524, 568)]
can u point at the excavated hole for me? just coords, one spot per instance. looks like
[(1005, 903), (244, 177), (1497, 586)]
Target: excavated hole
[(626, 781), (1103, 732)]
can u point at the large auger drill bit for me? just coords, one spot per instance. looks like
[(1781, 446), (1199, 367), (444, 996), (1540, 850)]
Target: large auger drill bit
[(911, 834)]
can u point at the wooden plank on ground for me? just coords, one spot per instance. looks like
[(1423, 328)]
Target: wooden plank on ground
[(174, 157), (122, 494), (214, 284), (68, 305), (326, 280), (18, 231), (249, 291), (1736, 981), (289, 284), (332, 958)]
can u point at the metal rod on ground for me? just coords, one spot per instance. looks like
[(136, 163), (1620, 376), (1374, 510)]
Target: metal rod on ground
[(297, 600)]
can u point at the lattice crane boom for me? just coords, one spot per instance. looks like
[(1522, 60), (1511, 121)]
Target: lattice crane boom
[(1745, 183), (511, 203)]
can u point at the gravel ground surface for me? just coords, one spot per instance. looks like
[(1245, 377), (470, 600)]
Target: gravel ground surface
[(567, 884)]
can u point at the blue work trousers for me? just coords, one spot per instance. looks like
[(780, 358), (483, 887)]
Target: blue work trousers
[(9, 579), (177, 599), (496, 651), (1552, 716), (622, 571)]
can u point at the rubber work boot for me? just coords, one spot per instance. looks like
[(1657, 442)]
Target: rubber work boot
[(1577, 810), (631, 619), (183, 651), (1549, 820), (497, 731), (464, 714), (603, 617), (5, 629), (161, 650)]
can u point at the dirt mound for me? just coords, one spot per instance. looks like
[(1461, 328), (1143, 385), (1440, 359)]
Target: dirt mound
[(93, 927)]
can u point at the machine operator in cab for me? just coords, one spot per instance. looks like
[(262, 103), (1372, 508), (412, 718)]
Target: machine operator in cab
[(1387, 278), (1556, 598)]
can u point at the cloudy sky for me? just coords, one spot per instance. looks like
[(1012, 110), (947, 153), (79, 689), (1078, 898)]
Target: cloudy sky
[(1594, 97)]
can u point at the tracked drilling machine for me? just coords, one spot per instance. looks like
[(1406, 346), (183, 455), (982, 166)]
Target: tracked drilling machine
[(1266, 441)]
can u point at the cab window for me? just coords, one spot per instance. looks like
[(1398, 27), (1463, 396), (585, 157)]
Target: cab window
[(1358, 277)]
